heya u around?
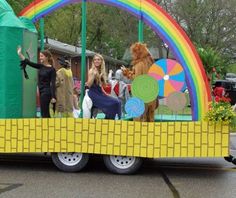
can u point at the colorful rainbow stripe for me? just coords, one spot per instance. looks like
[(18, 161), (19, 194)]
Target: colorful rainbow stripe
[(165, 26)]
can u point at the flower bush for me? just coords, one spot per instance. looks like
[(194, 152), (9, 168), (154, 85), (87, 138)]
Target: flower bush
[(220, 111)]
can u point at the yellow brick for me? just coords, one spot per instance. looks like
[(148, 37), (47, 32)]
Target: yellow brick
[(51, 133), (170, 129), (170, 152), (150, 138), (184, 128), (211, 152), (124, 126), (85, 136), (204, 138), (156, 153), (177, 126), (70, 136), (38, 144), (218, 151), (164, 139), (136, 150), (111, 126), (191, 127), (110, 138), (137, 138), (191, 138), (26, 132), (92, 128), (8, 147), (218, 138), (191, 150), (197, 152), (137, 126), (44, 123), (98, 125), (104, 129), (19, 146), (91, 139), (57, 136), (32, 147), (116, 150), (204, 151), (171, 141), (117, 140), (57, 147), (197, 129), (20, 135), (20, 124), (51, 144), (163, 127), (197, 140), (90, 148), (177, 150), (205, 126), (13, 143), (32, 135), (117, 128), (184, 152), (225, 140), (44, 147), (157, 141), (225, 129), (177, 137), (71, 124), (85, 124), (124, 138), (163, 151), (45, 135), (150, 152), (8, 135), (144, 141), (103, 150), (123, 150), (151, 126), (97, 148), (225, 152), (211, 140), (143, 152), (130, 129), (130, 151), (14, 132), (104, 140), (98, 137), (57, 124)]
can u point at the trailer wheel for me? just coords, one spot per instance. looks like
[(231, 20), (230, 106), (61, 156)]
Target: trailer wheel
[(70, 162), (122, 164)]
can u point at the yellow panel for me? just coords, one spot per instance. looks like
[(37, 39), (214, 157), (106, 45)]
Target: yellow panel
[(164, 139)]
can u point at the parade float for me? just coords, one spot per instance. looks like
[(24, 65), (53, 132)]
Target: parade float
[(123, 144)]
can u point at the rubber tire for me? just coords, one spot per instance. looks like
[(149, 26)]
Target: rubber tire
[(131, 170), (75, 168)]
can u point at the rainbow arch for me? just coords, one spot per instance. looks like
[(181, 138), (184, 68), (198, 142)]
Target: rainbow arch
[(168, 30)]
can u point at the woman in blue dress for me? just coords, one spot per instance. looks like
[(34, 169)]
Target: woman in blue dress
[(96, 78)]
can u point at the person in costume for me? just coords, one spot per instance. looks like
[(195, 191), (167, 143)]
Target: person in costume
[(46, 79), (64, 89), (119, 89), (96, 96), (141, 60)]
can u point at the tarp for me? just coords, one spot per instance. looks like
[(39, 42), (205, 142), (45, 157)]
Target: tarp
[(17, 95)]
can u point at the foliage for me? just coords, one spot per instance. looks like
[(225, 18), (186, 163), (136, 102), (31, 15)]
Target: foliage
[(211, 60), (111, 31), (220, 111)]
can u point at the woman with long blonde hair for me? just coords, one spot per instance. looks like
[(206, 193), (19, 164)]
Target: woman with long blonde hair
[(96, 78)]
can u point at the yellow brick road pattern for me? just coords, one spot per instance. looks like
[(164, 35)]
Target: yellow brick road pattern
[(152, 140)]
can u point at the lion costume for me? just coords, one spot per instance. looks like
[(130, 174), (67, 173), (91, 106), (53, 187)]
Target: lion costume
[(141, 61)]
